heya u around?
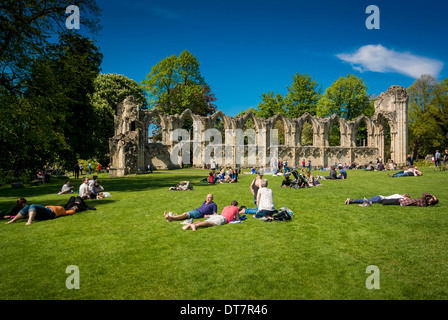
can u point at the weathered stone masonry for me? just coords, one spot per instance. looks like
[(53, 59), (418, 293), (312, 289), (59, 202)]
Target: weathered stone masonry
[(131, 151)]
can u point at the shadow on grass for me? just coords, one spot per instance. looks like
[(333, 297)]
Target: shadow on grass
[(150, 182), (53, 187), (144, 182)]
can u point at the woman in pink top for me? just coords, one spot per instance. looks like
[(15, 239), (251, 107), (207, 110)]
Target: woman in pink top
[(227, 215)]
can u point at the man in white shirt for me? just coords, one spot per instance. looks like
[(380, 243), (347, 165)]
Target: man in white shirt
[(84, 189)]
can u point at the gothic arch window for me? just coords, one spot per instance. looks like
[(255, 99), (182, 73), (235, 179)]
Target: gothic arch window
[(307, 133), (334, 134), (362, 134)]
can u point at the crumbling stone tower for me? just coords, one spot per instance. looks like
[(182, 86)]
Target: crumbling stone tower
[(392, 107)]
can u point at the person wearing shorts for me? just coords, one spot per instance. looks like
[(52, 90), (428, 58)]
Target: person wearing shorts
[(228, 214), (207, 208)]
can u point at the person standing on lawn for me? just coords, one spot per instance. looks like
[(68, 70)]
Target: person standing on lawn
[(437, 157)]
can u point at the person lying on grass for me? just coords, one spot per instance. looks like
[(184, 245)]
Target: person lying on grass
[(207, 208), (77, 204), (411, 172), (426, 200), (41, 213), (376, 199), (228, 214)]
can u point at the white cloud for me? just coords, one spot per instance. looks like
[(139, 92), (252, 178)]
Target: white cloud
[(377, 58)]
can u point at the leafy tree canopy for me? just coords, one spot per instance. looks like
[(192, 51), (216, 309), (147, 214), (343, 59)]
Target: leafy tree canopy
[(347, 97)]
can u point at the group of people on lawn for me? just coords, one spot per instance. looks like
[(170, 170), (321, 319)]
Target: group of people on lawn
[(89, 189), (223, 176), (263, 200), (262, 197), (265, 208)]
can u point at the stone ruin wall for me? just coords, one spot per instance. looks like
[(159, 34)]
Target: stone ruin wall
[(131, 151)]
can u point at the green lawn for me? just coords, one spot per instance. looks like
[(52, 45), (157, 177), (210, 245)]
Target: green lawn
[(126, 250)]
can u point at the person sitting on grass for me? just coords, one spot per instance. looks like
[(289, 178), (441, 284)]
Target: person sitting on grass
[(84, 191), (221, 176), (66, 188), (41, 213), (286, 183), (211, 177), (265, 202), (233, 176), (370, 166), (342, 173), (380, 166), (95, 189), (228, 214), (376, 199), (92, 180), (207, 208), (333, 175), (182, 186), (311, 180), (427, 199), (391, 165), (12, 212)]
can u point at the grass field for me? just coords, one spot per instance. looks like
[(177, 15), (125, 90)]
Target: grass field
[(126, 250)]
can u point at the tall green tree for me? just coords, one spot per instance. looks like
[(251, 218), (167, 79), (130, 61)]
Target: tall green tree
[(426, 102), (270, 105), (35, 98), (51, 121), (303, 96), (176, 84), (441, 103), (26, 29), (76, 62), (347, 97)]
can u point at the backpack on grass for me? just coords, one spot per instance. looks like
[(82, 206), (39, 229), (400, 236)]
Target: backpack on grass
[(282, 215)]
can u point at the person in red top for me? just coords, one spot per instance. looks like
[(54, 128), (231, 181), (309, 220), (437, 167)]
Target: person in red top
[(228, 214)]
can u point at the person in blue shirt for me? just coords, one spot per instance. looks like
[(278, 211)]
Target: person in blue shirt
[(221, 176), (342, 173), (207, 208), (233, 176)]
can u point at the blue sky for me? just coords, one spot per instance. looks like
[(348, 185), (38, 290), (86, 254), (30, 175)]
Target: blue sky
[(247, 47)]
